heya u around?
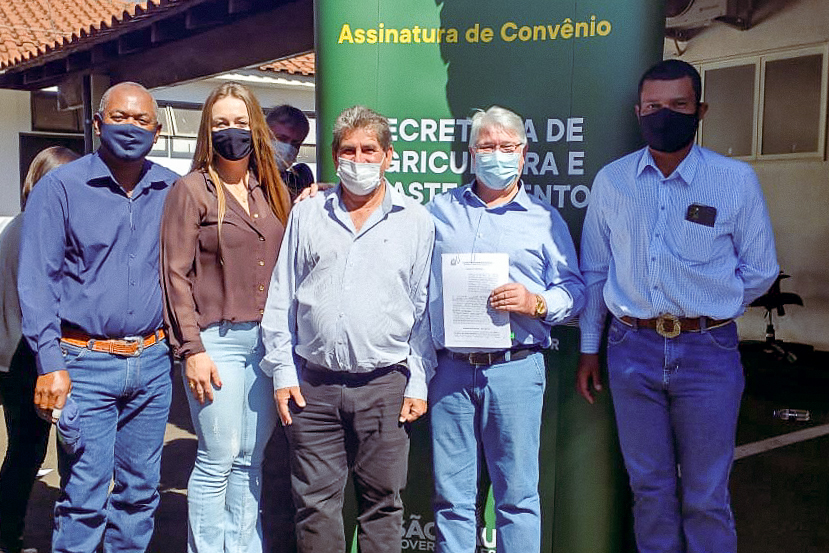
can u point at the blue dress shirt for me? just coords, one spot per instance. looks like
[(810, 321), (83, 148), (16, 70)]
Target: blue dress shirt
[(351, 300), (642, 256), (541, 256), (89, 256)]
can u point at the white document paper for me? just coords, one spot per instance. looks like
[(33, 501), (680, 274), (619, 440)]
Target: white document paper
[(468, 319)]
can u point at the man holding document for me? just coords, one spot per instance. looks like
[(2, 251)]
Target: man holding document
[(504, 271)]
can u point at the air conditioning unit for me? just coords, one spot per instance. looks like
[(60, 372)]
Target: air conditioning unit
[(682, 15)]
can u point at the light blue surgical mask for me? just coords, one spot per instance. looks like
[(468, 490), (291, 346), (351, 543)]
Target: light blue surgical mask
[(285, 154), (497, 170)]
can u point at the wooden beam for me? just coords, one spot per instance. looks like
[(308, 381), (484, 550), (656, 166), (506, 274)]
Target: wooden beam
[(282, 31)]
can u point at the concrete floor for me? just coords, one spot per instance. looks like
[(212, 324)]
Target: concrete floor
[(780, 496)]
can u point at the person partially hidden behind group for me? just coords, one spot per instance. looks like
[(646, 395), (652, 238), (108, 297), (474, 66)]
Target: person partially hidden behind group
[(27, 433), (220, 236)]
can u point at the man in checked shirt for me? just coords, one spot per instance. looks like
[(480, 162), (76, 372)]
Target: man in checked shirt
[(676, 243)]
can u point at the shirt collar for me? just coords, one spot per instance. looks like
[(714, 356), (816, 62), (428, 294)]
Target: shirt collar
[(98, 170), (519, 201), (685, 171)]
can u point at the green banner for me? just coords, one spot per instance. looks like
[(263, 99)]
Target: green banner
[(570, 69)]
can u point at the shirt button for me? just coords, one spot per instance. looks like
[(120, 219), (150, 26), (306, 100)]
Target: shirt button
[(653, 259), (657, 235), (261, 287), (662, 208), (132, 256), (656, 287), (261, 263)]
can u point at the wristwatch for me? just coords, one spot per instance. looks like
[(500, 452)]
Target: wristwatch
[(540, 306)]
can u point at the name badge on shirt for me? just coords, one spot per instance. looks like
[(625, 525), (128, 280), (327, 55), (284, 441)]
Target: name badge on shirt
[(702, 214)]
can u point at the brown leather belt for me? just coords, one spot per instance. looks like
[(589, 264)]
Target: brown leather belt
[(126, 346), (481, 358), (670, 326)]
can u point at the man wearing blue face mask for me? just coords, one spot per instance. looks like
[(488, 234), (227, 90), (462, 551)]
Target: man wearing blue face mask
[(347, 340), (677, 242), (92, 312), (486, 401)]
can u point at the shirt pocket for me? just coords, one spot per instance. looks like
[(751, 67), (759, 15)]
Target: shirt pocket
[(700, 243)]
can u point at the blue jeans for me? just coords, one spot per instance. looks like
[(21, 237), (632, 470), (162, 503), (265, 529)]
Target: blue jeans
[(677, 402), (123, 404), (226, 483), (491, 411)]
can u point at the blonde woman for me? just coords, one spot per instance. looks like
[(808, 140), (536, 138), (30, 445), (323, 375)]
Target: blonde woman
[(220, 236)]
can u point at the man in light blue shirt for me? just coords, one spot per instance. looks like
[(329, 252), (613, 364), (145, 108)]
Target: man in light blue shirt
[(676, 243), (486, 401), (347, 340)]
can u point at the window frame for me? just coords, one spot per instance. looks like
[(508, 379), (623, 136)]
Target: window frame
[(759, 61)]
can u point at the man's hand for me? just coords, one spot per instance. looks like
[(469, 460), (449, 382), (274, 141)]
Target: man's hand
[(202, 375), (588, 371), (283, 396), (311, 190), (51, 391), (513, 297), (412, 409)]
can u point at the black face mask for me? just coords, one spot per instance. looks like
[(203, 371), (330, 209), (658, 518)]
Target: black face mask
[(232, 143), (667, 130)]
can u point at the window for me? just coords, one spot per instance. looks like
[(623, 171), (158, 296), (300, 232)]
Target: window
[(770, 106)]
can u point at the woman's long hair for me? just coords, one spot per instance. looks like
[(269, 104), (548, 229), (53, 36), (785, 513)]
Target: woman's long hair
[(45, 161), (261, 163)]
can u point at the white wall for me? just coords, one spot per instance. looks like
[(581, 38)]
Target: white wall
[(797, 191), (15, 116)]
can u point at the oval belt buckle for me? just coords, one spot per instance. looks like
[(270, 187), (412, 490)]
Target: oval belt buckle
[(675, 328)]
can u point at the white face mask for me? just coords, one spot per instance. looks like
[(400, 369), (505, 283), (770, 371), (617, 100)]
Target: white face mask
[(360, 179), (285, 154)]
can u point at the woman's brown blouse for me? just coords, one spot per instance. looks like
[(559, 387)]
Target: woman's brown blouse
[(198, 289)]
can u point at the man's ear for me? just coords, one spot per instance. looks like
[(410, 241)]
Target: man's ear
[(702, 110), (96, 123)]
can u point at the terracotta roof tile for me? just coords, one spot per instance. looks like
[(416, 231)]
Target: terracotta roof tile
[(29, 28), (297, 65)]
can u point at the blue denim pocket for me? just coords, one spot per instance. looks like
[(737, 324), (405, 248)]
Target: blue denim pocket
[(725, 338), (72, 353), (617, 332)]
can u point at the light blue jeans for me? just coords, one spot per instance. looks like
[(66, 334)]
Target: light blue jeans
[(226, 483), (677, 402), (494, 411), (123, 404)]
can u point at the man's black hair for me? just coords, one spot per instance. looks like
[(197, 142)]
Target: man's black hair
[(670, 70)]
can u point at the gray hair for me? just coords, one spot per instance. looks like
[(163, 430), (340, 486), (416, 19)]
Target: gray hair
[(361, 117), (496, 116), (105, 98)]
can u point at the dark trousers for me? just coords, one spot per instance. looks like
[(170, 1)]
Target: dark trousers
[(28, 435), (278, 510), (350, 423)]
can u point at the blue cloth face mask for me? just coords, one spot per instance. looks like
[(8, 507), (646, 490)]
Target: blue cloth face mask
[(232, 143), (127, 142), (497, 170)]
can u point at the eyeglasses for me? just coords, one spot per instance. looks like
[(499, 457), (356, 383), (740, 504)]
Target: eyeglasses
[(505, 148)]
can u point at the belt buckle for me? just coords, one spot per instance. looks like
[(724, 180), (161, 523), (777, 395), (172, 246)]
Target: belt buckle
[(675, 329), (138, 342), (480, 358)]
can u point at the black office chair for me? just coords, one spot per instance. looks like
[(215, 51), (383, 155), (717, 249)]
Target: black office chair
[(775, 300)]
